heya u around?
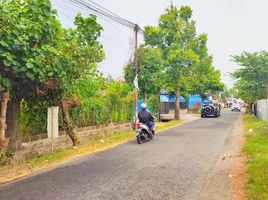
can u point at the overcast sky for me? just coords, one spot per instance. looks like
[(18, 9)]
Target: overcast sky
[(232, 27)]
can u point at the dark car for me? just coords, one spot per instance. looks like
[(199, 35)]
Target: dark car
[(210, 109)]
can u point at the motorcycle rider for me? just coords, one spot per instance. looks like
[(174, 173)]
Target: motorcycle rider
[(146, 118)]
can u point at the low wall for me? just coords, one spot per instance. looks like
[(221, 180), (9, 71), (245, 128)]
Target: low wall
[(42, 146), (262, 109)]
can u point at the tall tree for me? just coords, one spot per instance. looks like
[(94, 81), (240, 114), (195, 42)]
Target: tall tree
[(252, 76), (175, 35), (30, 28), (40, 59), (82, 52), (75, 54)]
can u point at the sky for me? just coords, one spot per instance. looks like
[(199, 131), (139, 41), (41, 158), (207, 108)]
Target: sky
[(233, 26)]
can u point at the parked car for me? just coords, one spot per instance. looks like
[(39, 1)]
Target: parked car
[(210, 109), (236, 107)]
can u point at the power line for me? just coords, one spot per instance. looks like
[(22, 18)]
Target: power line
[(109, 21), (101, 11), (98, 11), (113, 42), (110, 11)]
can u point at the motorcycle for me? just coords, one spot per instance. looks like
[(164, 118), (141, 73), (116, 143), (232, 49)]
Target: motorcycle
[(143, 133)]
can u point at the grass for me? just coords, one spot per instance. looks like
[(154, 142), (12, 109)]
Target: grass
[(45, 161), (257, 149)]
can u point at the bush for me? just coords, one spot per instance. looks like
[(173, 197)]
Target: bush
[(33, 117), (100, 104), (6, 157), (153, 104)]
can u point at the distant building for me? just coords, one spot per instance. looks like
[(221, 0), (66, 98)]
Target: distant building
[(168, 101), (167, 105)]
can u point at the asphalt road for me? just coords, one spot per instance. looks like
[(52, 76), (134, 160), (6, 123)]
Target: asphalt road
[(175, 165)]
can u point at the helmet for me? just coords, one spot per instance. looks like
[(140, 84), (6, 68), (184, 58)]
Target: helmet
[(143, 106)]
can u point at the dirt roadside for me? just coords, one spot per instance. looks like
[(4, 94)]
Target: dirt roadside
[(228, 179)]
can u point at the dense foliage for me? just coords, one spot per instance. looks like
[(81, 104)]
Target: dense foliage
[(252, 76), (102, 102)]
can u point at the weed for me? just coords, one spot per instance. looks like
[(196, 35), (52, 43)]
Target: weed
[(257, 149)]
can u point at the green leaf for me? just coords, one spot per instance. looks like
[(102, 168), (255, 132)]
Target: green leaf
[(29, 65), (30, 75), (3, 43), (9, 57), (7, 63), (50, 74)]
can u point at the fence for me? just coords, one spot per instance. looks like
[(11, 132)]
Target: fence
[(262, 109), (42, 144)]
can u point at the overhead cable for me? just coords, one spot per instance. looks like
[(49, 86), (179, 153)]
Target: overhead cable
[(99, 10)]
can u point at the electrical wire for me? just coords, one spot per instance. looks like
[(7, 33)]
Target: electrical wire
[(63, 7), (101, 11), (98, 11), (102, 36), (108, 39), (109, 11), (108, 16), (111, 23)]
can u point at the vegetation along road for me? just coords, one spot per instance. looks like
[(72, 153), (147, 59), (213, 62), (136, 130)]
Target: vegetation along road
[(175, 165)]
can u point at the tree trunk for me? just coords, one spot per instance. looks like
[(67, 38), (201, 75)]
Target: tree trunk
[(145, 97), (203, 97), (177, 105), (4, 100), (13, 126), (66, 105)]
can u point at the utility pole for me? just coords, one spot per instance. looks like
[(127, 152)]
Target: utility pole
[(136, 29)]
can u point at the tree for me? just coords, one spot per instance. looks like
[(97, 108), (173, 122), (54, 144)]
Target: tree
[(175, 35), (41, 60), (205, 79), (252, 76), (30, 29), (4, 101), (82, 52), (150, 66), (75, 54)]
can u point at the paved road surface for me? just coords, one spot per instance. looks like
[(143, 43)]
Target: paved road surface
[(175, 165)]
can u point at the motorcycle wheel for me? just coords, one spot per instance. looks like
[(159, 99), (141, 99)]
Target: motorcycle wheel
[(151, 136), (140, 139)]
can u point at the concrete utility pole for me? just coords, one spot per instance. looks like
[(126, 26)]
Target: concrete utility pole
[(136, 29)]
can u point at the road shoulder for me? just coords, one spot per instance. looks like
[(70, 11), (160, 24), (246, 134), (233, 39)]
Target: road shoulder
[(227, 179)]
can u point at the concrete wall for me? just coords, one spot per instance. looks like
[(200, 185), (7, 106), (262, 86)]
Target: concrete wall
[(41, 146), (262, 109)]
